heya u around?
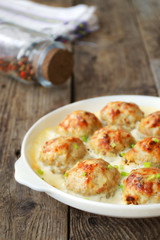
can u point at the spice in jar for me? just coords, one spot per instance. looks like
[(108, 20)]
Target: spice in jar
[(18, 68), (30, 57)]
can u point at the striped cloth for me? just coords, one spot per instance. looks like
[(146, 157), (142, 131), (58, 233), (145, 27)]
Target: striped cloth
[(65, 24)]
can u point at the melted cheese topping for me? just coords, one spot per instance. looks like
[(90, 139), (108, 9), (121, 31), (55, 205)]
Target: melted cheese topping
[(57, 180)]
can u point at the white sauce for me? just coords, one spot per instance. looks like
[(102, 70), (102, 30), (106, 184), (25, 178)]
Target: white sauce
[(57, 180)]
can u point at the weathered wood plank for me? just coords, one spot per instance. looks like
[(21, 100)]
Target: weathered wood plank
[(121, 69), (148, 18), (118, 63), (92, 227), (155, 66), (26, 214), (148, 13)]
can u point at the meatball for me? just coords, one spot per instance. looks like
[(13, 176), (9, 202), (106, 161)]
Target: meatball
[(91, 177), (122, 114), (142, 186), (150, 125), (146, 150), (110, 140), (79, 124), (62, 153)]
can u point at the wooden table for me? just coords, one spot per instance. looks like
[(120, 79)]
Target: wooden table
[(123, 57)]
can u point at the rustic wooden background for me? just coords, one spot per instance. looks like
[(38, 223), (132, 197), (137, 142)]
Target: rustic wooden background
[(123, 57)]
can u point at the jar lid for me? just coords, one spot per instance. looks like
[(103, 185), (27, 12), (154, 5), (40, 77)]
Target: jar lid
[(57, 66)]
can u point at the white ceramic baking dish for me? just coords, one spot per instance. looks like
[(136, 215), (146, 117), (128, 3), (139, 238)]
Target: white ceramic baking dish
[(25, 175)]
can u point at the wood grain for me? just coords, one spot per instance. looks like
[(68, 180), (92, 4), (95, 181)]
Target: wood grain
[(26, 214), (118, 62), (148, 17), (90, 226)]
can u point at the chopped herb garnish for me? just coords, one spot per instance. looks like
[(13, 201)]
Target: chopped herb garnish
[(121, 186), (42, 178), (109, 166), (151, 177), (84, 174), (76, 146), (84, 138), (66, 174), (132, 145), (155, 140), (122, 154), (124, 174), (87, 198), (147, 164), (121, 167), (158, 175), (116, 166), (113, 145), (40, 171)]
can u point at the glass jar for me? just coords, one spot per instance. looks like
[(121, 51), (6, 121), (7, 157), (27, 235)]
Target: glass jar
[(32, 57)]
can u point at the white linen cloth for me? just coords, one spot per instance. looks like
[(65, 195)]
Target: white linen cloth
[(60, 23)]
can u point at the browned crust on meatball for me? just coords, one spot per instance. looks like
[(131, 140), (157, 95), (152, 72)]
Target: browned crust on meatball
[(91, 177), (62, 153), (142, 186), (122, 114), (79, 124), (146, 150), (110, 140), (150, 125)]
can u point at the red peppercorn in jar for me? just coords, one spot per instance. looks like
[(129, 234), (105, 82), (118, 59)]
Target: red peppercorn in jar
[(32, 57)]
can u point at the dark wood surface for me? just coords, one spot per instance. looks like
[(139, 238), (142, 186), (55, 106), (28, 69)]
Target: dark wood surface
[(123, 57)]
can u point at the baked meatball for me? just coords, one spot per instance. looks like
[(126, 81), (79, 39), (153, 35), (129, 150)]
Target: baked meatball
[(91, 177), (147, 150), (62, 153), (110, 140), (142, 186), (122, 114), (79, 124), (150, 125)]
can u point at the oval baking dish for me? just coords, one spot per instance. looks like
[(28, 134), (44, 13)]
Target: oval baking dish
[(25, 175)]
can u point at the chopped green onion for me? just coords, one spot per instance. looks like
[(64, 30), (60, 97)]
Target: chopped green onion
[(124, 174), (76, 146), (42, 178), (87, 198), (66, 174), (147, 164), (121, 167), (132, 145), (151, 177), (109, 166), (121, 186), (84, 138), (84, 174), (155, 140), (40, 171), (158, 175), (113, 145), (116, 166), (122, 154)]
